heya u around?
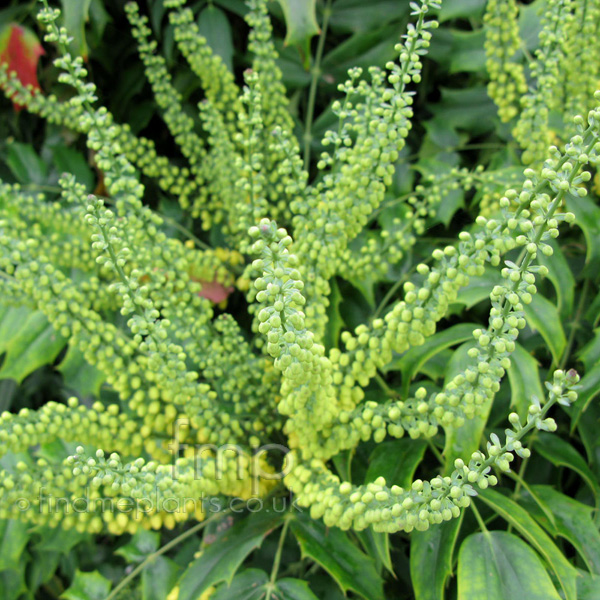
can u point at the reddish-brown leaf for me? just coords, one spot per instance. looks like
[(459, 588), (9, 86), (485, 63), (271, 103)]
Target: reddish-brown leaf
[(20, 51)]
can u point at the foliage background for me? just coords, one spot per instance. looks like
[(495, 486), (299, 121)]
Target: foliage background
[(455, 125)]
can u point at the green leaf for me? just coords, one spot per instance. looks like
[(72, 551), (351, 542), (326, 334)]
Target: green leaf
[(462, 441), (358, 15), (559, 273), (562, 454), (377, 545), (247, 585), (142, 543), (59, 539), (396, 461), (588, 586), (214, 25), (543, 316), (410, 362), (497, 565), (468, 53), (335, 552), (589, 355), (521, 520), (524, 377), (454, 9), (219, 561), (466, 108), (76, 15), (12, 583), (334, 320), (12, 320), (87, 586), (478, 288), (67, 160), (79, 375), (587, 217), (13, 539), (589, 388), (592, 313), (42, 568), (293, 589), (573, 522), (300, 21), (37, 343), (159, 578), (434, 548), (25, 164)]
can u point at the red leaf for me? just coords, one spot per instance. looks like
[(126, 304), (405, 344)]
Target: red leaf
[(214, 291), (20, 50)]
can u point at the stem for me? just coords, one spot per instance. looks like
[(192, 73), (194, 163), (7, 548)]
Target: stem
[(435, 451), (160, 551), (312, 94), (277, 560), (392, 291), (478, 517), (575, 325)]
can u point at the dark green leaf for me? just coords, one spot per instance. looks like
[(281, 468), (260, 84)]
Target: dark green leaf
[(76, 14), (589, 388), (454, 9), (25, 164), (410, 362), (524, 377), (574, 522), (300, 20), (562, 454), (587, 217), (79, 375), (357, 15), (520, 519), (497, 565), (334, 320), (247, 585), (377, 545), (214, 25), (67, 160), (588, 586), (462, 441), (37, 343), (13, 539), (396, 461), (159, 578), (87, 586), (373, 47), (468, 53), (219, 561), (434, 548), (12, 583), (334, 551), (138, 548), (559, 273), (543, 316), (294, 589), (59, 539), (589, 355), (467, 108)]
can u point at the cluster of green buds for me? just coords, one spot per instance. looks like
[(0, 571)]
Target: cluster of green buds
[(392, 508)]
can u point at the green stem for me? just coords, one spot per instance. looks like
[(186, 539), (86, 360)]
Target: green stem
[(277, 560), (312, 93), (161, 551), (479, 518), (435, 451), (575, 325)]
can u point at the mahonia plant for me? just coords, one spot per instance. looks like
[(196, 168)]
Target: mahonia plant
[(126, 295)]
